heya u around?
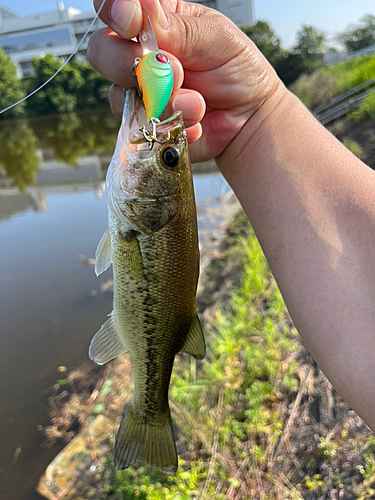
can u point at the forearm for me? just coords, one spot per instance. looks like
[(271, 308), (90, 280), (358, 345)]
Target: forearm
[(312, 206)]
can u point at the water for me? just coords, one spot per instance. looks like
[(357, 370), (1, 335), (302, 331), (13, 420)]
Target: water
[(52, 212)]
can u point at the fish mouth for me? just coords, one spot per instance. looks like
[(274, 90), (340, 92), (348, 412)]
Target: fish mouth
[(125, 195), (135, 122)]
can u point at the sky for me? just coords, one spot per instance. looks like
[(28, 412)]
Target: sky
[(285, 16)]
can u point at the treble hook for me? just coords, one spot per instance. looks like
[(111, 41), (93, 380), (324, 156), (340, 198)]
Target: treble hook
[(152, 138)]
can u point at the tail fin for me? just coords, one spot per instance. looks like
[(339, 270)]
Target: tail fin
[(147, 441)]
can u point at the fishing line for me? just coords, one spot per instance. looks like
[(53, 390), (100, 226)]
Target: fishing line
[(62, 66)]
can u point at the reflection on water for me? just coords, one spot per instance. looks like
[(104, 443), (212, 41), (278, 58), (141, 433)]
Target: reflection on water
[(18, 153), (51, 212), (28, 146)]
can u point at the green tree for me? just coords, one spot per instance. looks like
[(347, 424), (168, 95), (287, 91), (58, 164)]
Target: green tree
[(94, 93), (11, 89), (266, 40), (290, 67), (310, 46), (60, 95), (361, 36)]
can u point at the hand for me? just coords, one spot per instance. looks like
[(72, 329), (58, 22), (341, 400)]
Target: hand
[(220, 77)]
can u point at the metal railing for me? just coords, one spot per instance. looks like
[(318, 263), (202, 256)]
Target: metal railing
[(344, 103), (331, 58)]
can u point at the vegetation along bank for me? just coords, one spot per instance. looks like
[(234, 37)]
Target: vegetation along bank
[(255, 419)]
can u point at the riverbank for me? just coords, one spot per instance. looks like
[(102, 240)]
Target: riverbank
[(255, 419)]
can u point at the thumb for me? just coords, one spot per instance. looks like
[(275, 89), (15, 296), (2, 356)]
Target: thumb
[(187, 30), (201, 38)]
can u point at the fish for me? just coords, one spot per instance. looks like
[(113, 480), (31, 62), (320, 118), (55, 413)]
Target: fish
[(152, 243)]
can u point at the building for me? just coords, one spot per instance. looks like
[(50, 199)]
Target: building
[(239, 11), (58, 32)]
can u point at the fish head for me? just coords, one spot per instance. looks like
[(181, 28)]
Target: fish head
[(145, 188)]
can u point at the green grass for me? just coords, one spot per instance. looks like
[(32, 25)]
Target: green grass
[(351, 73), (328, 82), (366, 110), (226, 408), (354, 147)]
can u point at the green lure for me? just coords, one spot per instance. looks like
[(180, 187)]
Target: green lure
[(155, 81)]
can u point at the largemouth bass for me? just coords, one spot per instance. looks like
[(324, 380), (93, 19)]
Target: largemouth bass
[(152, 242)]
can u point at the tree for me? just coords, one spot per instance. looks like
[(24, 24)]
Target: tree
[(266, 40), (94, 93), (290, 67), (76, 86), (361, 36), (11, 89), (310, 46), (60, 95)]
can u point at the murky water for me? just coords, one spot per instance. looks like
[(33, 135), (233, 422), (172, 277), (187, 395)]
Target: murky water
[(52, 213)]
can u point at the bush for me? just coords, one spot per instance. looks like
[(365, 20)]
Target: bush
[(315, 90)]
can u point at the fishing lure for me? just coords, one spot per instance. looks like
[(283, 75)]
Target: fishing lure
[(154, 80)]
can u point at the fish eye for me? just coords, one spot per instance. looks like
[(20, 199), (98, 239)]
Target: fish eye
[(170, 157)]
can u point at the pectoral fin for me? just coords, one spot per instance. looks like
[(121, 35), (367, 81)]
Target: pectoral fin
[(131, 257), (107, 343), (103, 258), (194, 343)]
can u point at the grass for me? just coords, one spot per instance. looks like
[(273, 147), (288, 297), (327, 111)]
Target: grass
[(366, 110), (352, 72), (354, 147), (328, 82)]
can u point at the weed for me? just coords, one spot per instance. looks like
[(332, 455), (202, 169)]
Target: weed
[(315, 484), (354, 147), (326, 83), (366, 489), (327, 449), (366, 110)]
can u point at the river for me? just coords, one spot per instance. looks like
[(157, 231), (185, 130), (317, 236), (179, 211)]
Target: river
[(52, 215)]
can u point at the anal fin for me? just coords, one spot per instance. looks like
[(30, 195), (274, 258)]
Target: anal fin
[(194, 343), (107, 343)]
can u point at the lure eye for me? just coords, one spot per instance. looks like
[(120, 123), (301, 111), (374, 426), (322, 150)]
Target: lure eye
[(170, 157), (161, 58)]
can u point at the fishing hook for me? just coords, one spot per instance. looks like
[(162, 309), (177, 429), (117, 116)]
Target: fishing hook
[(151, 138)]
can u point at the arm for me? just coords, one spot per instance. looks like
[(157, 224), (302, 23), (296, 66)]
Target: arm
[(312, 205)]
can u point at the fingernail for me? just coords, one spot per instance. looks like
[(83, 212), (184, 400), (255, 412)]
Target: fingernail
[(122, 13)]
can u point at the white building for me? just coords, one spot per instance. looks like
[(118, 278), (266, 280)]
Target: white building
[(239, 11), (57, 32)]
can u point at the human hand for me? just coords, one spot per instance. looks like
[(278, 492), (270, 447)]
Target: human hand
[(220, 77)]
